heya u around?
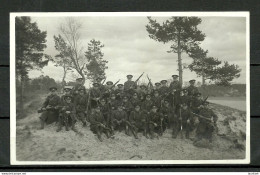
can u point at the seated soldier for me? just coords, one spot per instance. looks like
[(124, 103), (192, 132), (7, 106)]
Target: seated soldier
[(168, 113), (81, 103), (207, 123), (67, 91), (186, 120), (155, 122), (196, 103), (67, 114), (98, 124), (50, 108), (147, 104), (135, 100), (95, 95), (157, 99), (118, 119), (138, 121), (127, 106)]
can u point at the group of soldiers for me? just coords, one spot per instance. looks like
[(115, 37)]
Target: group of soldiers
[(131, 108)]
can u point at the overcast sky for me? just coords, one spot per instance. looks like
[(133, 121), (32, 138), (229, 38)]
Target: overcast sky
[(129, 50)]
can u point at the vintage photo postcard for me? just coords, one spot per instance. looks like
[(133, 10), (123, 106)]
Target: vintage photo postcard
[(130, 88)]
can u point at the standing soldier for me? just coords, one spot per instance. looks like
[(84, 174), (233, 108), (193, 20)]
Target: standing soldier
[(120, 93), (135, 100), (186, 120), (129, 86), (192, 89), (157, 87), (50, 108), (108, 89), (142, 92), (138, 122), (118, 119), (67, 91), (98, 123), (207, 123), (168, 113), (185, 98), (157, 99), (147, 104), (175, 87), (164, 90), (95, 95), (68, 113), (155, 122), (81, 104), (79, 85), (100, 85)]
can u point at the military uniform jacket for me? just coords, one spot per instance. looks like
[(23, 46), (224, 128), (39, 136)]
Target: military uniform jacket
[(119, 115), (157, 101), (135, 101), (127, 106), (186, 99), (207, 113), (192, 90), (175, 85), (52, 101), (155, 117), (147, 105), (129, 84), (142, 95), (62, 100), (104, 109), (68, 107), (107, 92), (167, 110), (97, 118), (75, 89), (113, 103), (195, 103), (81, 103), (164, 90), (119, 94), (137, 117), (95, 93), (185, 115)]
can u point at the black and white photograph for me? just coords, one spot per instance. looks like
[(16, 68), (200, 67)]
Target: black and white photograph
[(130, 88)]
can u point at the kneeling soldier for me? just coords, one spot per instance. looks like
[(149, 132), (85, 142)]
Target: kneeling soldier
[(118, 119), (98, 123), (137, 121), (81, 103), (67, 114), (155, 122)]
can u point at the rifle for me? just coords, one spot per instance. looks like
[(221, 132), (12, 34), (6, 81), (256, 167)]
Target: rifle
[(103, 81), (205, 99), (202, 117), (49, 108), (114, 84), (150, 82), (137, 80)]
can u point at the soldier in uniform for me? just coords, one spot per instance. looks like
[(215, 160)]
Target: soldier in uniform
[(192, 89), (129, 84), (95, 95), (120, 93), (147, 104), (175, 88), (186, 120), (104, 108), (100, 85), (50, 108), (67, 91), (157, 99), (168, 113), (164, 90), (98, 124), (108, 89), (118, 119), (185, 98), (155, 122), (135, 99), (81, 104), (138, 122), (79, 85), (207, 123), (143, 92), (196, 103), (67, 117), (127, 106), (157, 87)]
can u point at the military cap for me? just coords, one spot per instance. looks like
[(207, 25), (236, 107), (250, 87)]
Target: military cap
[(129, 76), (67, 97), (79, 79), (109, 83), (157, 84), (120, 85), (67, 89), (175, 76), (164, 81), (184, 104), (142, 85), (192, 81), (95, 84), (112, 94), (166, 100), (53, 88), (81, 89), (135, 93), (99, 78)]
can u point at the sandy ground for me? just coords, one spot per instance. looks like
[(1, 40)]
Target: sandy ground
[(48, 145)]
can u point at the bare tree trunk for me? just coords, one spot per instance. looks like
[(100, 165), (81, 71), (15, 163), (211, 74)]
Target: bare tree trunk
[(179, 61), (21, 97)]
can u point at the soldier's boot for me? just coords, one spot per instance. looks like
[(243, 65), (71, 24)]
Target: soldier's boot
[(84, 123), (42, 124), (127, 130), (99, 137), (135, 134), (107, 134), (145, 134), (67, 127)]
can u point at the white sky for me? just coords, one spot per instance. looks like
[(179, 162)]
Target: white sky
[(129, 50)]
